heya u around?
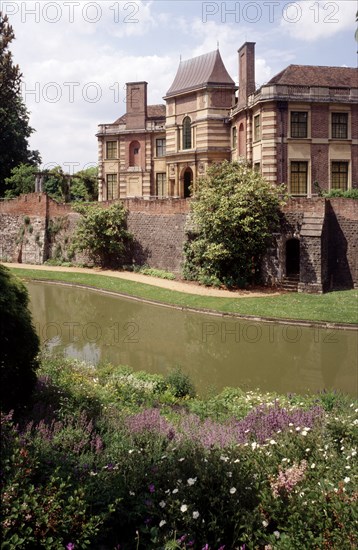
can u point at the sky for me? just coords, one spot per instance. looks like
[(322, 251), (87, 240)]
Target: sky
[(76, 56)]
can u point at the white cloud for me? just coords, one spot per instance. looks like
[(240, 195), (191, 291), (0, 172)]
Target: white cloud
[(311, 21)]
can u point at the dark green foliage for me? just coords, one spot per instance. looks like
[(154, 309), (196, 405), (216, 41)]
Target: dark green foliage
[(180, 383), (22, 180), (18, 340), (102, 233), (348, 194), (235, 211), (14, 117), (84, 185)]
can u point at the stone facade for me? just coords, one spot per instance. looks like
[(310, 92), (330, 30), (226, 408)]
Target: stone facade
[(301, 129)]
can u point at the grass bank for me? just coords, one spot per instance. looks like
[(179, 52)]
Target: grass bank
[(333, 307), (111, 459)]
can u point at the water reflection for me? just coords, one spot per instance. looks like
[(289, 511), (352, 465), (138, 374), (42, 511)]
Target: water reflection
[(215, 351)]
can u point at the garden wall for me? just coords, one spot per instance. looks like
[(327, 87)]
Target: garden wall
[(34, 228)]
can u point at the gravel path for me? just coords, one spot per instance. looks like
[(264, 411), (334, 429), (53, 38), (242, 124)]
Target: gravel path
[(180, 286)]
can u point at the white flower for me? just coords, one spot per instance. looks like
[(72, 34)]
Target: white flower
[(162, 504), (183, 508), (347, 479), (277, 534), (132, 493), (163, 522), (192, 480), (181, 459), (224, 458), (304, 432), (253, 445), (196, 514), (313, 465), (272, 442), (298, 429), (232, 490), (265, 523), (175, 491), (130, 451)]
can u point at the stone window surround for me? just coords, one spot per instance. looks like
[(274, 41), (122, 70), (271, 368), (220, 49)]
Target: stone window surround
[(111, 149), (349, 172), (339, 109), (309, 181)]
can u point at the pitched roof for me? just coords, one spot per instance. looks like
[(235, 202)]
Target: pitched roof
[(199, 71), (153, 112), (309, 75)]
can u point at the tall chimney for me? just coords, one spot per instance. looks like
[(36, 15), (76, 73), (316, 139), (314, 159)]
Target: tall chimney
[(246, 71), (136, 105)]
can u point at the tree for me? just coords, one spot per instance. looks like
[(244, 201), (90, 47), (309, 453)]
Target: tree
[(102, 233), (234, 212), (14, 117), (84, 185), (19, 343), (22, 180)]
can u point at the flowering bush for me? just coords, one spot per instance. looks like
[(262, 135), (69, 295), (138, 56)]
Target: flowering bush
[(85, 468)]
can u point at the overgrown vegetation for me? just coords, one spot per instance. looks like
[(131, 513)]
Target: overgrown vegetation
[(235, 211), (82, 186), (106, 458), (102, 233), (19, 343)]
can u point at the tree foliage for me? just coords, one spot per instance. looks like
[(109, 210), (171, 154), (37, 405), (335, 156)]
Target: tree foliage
[(14, 117), (234, 212), (102, 233), (19, 343), (82, 186), (22, 180)]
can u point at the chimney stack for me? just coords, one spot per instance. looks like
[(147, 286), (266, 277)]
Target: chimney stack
[(246, 72), (136, 105)]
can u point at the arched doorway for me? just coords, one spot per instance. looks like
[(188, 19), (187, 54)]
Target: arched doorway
[(188, 180), (292, 257)]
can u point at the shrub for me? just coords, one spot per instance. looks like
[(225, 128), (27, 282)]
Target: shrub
[(180, 383), (102, 233), (19, 342), (235, 211)]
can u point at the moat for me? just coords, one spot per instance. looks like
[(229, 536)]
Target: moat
[(215, 351)]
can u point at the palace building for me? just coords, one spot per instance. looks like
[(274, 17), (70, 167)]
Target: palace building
[(300, 128)]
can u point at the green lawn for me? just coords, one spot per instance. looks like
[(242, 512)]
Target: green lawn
[(333, 307)]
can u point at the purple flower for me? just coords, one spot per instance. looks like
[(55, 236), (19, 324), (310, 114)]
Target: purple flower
[(206, 547), (151, 488), (70, 546)]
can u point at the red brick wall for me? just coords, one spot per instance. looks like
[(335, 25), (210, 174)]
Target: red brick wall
[(319, 121), (320, 166)]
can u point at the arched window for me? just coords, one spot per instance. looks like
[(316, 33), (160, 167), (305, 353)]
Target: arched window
[(187, 133), (242, 141), (134, 153)]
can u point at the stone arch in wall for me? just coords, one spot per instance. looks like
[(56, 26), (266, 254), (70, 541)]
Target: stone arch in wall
[(134, 153), (187, 178), (292, 257)]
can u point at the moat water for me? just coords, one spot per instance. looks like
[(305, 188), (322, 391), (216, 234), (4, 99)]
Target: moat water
[(215, 351)]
